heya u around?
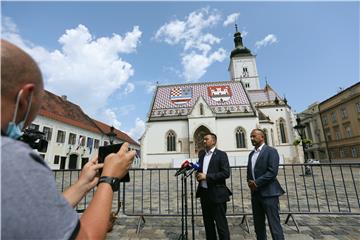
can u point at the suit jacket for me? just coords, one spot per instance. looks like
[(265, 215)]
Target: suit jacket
[(266, 170), (218, 171)]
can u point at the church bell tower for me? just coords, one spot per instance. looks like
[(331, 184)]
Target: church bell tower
[(243, 64)]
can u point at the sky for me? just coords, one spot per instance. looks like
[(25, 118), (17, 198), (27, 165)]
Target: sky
[(108, 57)]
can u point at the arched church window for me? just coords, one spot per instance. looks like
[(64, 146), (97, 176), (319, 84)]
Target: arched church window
[(240, 138), (171, 141), (201, 109), (245, 72), (266, 136), (282, 131)]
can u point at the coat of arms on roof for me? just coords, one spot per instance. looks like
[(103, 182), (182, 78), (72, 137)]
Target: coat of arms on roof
[(179, 95), (220, 93)]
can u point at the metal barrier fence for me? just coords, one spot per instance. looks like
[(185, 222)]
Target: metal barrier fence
[(331, 189)]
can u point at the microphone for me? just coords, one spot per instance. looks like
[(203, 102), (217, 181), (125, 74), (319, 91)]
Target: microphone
[(195, 167), (184, 167)]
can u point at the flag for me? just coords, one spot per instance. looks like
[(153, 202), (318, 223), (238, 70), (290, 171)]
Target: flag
[(81, 138), (90, 144)]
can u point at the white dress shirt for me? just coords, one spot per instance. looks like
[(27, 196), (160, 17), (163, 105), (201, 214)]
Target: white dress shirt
[(254, 158), (205, 166)]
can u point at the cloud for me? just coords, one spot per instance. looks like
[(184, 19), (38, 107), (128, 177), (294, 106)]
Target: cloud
[(138, 130), (86, 69), (268, 40), (130, 87), (126, 109), (191, 34), (244, 33), (231, 19), (149, 86), (112, 118), (195, 65)]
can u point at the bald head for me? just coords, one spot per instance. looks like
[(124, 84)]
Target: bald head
[(17, 69), (19, 74), (257, 137)]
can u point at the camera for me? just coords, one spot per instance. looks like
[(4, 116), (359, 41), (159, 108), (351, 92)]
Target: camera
[(106, 150), (35, 139)]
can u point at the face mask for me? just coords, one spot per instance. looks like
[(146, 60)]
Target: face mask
[(14, 130)]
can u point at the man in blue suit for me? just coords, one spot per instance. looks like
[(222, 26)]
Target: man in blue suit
[(262, 169), (212, 188)]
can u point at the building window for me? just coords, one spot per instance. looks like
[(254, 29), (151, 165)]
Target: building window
[(247, 85), (60, 136), (333, 117), (282, 131), (348, 131), (201, 109), (48, 132), (245, 72), (328, 134), (96, 143), (56, 159), (240, 138), (72, 138), (82, 140), (266, 137), (344, 113), (171, 141), (337, 133), (354, 152), (33, 127), (325, 120), (342, 152), (89, 142), (358, 107)]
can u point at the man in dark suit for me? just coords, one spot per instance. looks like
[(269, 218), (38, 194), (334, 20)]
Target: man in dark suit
[(212, 188), (265, 189)]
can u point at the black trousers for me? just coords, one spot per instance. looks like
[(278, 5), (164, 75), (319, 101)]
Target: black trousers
[(269, 207), (214, 213)]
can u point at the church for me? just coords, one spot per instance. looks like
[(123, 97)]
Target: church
[(181, 114)]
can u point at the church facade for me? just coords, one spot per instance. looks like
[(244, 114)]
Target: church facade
[(181, 114)]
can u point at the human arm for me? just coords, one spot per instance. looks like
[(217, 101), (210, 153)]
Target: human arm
[(87, 180), (94, 221)]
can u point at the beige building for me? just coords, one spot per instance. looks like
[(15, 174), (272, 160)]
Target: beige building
[(73, 137), (314, 132), (340, 117)]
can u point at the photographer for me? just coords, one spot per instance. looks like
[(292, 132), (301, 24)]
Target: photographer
[(31, 207)]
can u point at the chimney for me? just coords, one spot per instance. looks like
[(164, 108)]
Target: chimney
[(64, 97)]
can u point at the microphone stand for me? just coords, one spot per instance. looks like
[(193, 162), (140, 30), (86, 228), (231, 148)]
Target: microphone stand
[(192, 203), (184, 233)]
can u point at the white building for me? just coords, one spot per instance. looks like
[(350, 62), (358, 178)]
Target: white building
[(181, 114), (73, 137)]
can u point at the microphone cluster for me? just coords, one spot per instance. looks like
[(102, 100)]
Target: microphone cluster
[(186, 166)]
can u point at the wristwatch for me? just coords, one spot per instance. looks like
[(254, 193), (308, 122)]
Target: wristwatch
[(113, 181)]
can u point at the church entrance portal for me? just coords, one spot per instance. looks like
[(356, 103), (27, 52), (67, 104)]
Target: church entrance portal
[(199, 139)]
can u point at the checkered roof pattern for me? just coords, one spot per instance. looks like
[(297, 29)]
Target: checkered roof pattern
[(238, 98)]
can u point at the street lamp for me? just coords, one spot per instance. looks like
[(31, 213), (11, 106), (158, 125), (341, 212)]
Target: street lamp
[(111, 135), (300, 128)]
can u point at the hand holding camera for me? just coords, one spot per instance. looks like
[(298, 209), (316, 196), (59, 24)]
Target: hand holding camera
[(118, 164)]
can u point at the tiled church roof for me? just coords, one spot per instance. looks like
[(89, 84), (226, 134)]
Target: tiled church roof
[(62, 110), (119, 134), (263, 96), (221, 97)]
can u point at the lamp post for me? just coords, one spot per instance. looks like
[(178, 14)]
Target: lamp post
[(111, 135), (300, 128)]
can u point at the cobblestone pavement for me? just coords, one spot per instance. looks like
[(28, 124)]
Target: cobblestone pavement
[(311, 227), (330, 189)]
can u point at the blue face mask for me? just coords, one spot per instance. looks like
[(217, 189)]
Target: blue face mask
[(14, 130)]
